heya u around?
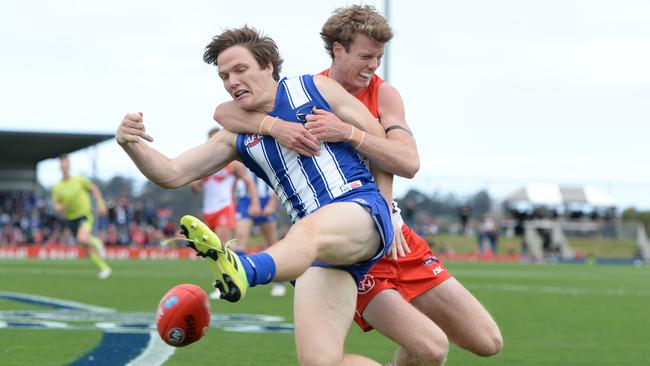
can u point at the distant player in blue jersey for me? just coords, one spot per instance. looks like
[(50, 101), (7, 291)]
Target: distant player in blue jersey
[(266, 221), (342, 222)]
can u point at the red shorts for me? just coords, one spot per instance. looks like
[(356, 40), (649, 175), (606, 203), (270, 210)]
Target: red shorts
[(411, 276), (222, 218)]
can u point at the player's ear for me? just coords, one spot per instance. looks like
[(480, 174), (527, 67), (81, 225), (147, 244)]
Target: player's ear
[(337, 49), (269, 68)]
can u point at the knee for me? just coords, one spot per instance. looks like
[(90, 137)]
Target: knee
[(427, 352), (319, 359), (491, 344), (436, 352)]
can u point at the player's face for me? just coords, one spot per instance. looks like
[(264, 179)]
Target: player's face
[(354, 68), (65, 166), (252, 87)]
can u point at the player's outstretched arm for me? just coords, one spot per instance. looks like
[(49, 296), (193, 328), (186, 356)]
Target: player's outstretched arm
[(193, 164), (291, 135), (350, 114)]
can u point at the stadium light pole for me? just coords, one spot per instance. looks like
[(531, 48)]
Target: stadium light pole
[(386, 61)]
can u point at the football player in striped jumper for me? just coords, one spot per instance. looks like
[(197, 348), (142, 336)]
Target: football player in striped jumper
[(342, 222)]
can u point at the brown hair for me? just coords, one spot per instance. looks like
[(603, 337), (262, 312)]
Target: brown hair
[(213, 130), (263, 48), (345, 23)]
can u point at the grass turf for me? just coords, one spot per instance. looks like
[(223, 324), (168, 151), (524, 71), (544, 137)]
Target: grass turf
[(549, 314)]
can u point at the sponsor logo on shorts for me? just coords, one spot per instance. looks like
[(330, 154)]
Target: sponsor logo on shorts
[(361, 201), (366, 284), (438, 270), (431, 260)]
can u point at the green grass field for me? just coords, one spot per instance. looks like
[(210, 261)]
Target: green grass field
[(548, 314), (583, 246)]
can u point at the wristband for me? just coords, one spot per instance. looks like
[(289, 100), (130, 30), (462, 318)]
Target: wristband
[(356, 137), (363, 137), (352, 129), (266, 125)]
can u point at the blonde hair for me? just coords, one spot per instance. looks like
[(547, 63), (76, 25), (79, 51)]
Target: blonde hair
[(345, 23)]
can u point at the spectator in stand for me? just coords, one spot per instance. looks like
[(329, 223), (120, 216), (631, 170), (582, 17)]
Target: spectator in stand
[(487, 237), (463, 215), (408, 213)]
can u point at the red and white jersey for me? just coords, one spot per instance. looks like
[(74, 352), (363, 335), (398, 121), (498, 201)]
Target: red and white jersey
[(218, 190)]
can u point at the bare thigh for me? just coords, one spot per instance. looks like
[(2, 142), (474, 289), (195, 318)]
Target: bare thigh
[(324, 303), (340, 233), (83, 235), (461, 316), (397, 319), (343, 233)]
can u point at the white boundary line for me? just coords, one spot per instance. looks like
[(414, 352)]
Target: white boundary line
[(156, 353)]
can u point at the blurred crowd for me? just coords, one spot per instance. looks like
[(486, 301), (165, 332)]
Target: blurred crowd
[(27, 218)]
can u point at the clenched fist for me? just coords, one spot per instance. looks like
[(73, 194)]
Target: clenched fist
[(132, 130)]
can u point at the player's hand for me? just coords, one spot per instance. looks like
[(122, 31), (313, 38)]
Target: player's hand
[(326, 126), (400, 246), (254, 210), (102, 211), (268, 210), (132, 130), (296, 138)]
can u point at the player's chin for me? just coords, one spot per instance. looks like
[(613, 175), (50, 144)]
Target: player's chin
[(363, 83)]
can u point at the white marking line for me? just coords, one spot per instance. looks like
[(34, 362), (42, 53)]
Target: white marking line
[(77, 273), (156, 353), (560, 290), (59, 302)]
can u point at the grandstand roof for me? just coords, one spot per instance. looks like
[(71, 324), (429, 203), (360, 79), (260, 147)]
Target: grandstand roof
[(541, 194), (20, 147)]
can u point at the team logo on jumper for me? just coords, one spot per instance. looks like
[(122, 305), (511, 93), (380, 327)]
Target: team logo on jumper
[(431, 260), (252, 140), (366, 284), (302, 112)]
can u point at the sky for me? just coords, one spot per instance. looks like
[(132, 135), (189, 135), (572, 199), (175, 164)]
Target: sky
[(499, 94)]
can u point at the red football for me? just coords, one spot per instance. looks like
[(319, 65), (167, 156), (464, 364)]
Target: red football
[(183, 315)]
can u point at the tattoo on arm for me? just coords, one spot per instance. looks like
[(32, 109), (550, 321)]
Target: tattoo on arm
[(397, 127)]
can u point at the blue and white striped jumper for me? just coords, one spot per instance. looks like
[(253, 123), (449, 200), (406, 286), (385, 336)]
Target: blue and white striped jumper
[(304, 184)]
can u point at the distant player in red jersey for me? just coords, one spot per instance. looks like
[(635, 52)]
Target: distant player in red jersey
[(218, 189), (219, 207)]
